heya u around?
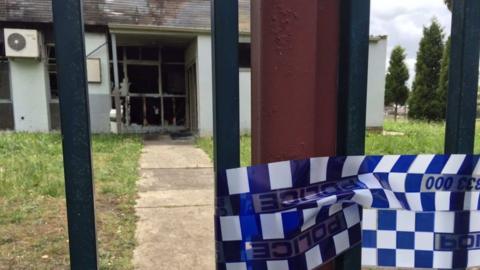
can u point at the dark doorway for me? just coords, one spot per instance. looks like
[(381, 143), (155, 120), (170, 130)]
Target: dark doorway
[(143, 78), (153, 86)]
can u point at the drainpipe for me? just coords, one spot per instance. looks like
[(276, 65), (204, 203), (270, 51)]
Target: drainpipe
[(116, 87)]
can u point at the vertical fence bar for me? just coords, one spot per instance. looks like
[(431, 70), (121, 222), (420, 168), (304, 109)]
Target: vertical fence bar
[(226, 107), (352, 94), (75, 123), (463, 77), (462, 91)]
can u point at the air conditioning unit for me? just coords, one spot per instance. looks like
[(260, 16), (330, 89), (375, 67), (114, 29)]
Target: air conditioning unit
[(21, 43)]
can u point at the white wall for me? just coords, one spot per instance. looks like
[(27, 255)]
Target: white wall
[(30, 90), (205, 92), (375, 96), (245, 100), (204, 85), (99, 93), (28, 81), (376, 83)]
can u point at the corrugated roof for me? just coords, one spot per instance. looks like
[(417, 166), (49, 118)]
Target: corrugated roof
[(185, 14)]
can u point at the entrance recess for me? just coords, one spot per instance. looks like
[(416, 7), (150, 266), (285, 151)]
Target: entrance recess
[(155, 85)]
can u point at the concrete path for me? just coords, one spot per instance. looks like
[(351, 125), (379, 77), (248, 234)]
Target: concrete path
[(175, 207)]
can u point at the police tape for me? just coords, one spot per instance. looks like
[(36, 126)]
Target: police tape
[(407, 211)]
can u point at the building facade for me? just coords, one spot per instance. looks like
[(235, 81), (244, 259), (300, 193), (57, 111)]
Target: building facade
[(151, 59), (377, 52)]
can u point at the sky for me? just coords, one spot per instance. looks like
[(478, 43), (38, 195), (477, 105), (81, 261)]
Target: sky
[(403, 20)]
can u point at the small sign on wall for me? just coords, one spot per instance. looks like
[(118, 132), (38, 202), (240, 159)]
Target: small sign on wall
[(94, 74)]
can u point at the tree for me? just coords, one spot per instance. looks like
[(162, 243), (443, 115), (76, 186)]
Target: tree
[(422, 101), (443, 81), (396, 90), (449, 4)]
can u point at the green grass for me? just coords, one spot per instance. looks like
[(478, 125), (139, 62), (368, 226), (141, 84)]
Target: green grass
[(404, 137), (206, 144), (33, 229), (417, 138)]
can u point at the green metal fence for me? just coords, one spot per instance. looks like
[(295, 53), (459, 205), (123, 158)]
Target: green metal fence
[(69, 32)]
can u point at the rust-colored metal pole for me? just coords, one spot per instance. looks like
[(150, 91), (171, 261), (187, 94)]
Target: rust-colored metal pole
[(295, 58), (295, 46)]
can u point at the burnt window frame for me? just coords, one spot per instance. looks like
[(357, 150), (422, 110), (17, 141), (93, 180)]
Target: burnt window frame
[(51, 70), (8, 100), (244, 55), (4, 59)]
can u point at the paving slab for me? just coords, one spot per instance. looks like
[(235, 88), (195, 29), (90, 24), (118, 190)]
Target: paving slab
[(175, 198), (175, 238), (174, 207), (168, 154), (168, 179)]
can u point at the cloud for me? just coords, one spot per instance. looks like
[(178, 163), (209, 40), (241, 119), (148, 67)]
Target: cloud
[(411, 66), (403, 22)]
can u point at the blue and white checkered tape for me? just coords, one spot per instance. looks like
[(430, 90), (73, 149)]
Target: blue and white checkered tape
[(408, 211)]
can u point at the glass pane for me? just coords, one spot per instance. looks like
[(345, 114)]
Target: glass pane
[(143, 79), (244, 55), (4, 80), (173, 55), (150, 53), (6, 116), (174, 114), (133, 53), (173, 79)]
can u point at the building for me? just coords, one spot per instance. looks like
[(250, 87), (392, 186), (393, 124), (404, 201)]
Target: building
[(377, 52), (160, 51)]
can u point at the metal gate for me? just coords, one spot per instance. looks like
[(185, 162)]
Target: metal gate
[(75, 122)]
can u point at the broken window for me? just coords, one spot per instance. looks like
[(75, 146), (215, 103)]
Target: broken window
[(174, 111), (4, 80), (173, 55), (173, 76), (149, 53), (153, 85), (4, 72), (145, 111), (143, 78), (6, 106), (244, 55), (133, 53), (52, 71), (153, 112), (54, 92), (2, 46)]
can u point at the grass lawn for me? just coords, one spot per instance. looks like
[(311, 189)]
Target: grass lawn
[(404, 137), (33, 228)]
